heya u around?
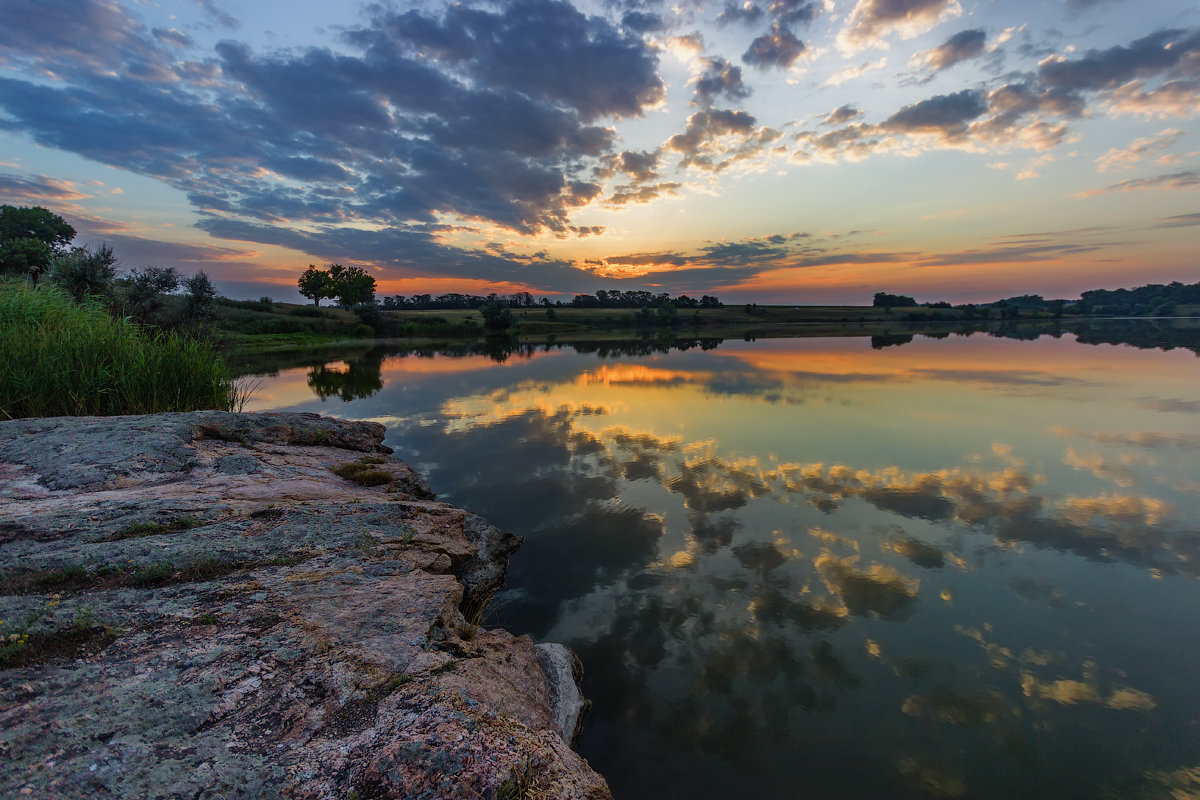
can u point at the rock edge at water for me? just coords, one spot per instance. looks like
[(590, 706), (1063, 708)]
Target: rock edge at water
[(203, 609)]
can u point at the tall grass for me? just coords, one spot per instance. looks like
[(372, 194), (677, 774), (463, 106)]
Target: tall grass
[(61, 358)]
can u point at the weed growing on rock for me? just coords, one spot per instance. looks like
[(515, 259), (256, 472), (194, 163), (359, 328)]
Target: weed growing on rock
[(149, 575), (361, 472), (140, 529), (206, 619), (23, 646), (522, 784), (449, 666), (72, 573)]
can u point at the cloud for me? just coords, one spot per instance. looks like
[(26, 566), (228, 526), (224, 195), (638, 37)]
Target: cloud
[(1151, 55), (642, 194), (642, 22), (793, 12), (1179, 221), (850, 73), (545, 49), (1177, 98), (1126, 158), (72, 40), (717, 138), (841, 115), (38, 190), (1185, 179), (718, 78), (747, 13), (945, 115), (778, 47), (871, 21), (637, 164), (219, 15), (960, 47)]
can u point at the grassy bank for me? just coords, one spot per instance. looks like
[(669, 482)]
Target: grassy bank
[(60, 358)]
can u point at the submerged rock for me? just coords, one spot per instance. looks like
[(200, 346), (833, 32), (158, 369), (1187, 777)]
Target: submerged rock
[(196, 605)]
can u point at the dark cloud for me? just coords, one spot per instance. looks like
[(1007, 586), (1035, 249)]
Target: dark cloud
[(778, 47), (1151, 55), (740, 253), (718, 78), (1179, 221), (746, 14), (70, 39), (1172, 404), (219, 15), (793, 12), (642, 22), (545, 49), (639, 165), (1184, 179), (946, 114), (841, 115), (959, 47), (172, 36)]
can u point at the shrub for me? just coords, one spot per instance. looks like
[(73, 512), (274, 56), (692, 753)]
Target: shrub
[(84, 272)]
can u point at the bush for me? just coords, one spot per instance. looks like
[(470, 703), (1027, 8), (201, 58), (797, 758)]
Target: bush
[(60, 358), (497, 316), (86, 273)]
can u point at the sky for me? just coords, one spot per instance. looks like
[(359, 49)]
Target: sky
[(774, 151)]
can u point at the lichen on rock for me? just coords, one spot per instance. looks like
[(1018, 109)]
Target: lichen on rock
[(196, 605)]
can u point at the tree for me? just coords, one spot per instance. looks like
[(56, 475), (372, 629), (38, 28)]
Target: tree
[(316, 285), (146, 288), (201, 295), (352, 285), (497, 316), (30, 236), (885, 300)]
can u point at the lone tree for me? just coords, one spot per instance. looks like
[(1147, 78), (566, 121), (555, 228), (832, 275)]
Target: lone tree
[(350, 285), (316, 285), (885, 300), (30, 236)]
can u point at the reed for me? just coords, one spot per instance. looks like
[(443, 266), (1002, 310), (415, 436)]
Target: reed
[(62, 358)]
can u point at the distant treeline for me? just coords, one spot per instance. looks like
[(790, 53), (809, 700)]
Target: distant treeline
[(601, 299), (1154, 299)]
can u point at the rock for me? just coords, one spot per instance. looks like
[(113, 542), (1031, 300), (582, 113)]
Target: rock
[(202, 608), (563, 672)]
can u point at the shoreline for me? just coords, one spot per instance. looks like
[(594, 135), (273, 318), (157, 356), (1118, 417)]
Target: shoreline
[(208, 610)]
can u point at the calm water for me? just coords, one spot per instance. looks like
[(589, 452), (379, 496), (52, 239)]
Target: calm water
[(813, 568)]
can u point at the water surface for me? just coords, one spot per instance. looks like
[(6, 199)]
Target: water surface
[(820, 568)]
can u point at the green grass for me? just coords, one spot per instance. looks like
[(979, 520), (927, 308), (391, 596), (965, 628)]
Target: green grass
[(61, 358)]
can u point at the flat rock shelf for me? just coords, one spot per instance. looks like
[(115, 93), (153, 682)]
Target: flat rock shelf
[(218, 605)]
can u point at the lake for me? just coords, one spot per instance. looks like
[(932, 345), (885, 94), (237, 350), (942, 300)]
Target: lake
[(897, 566)]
